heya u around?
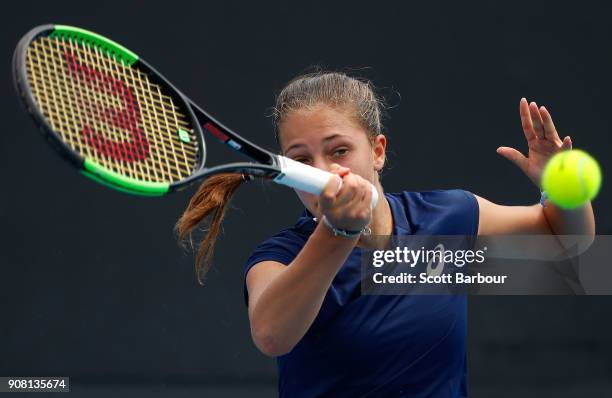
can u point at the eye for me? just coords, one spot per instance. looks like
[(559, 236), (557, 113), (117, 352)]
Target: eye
[(302, 160), (338, 152)]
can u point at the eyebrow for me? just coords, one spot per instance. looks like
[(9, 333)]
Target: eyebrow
[(326, 139)]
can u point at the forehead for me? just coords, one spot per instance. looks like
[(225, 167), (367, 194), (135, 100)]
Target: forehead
[(316, 123)]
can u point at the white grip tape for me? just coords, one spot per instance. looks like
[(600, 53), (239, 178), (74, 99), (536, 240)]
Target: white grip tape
[(307, 178)]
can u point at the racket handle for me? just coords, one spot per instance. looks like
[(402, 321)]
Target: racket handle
[(307, 178)]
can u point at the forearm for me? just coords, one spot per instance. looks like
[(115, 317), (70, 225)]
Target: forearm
[(291, 301), (575, 229), (580, 221)]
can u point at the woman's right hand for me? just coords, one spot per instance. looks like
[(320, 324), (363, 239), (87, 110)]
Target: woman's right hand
[(349, 208)]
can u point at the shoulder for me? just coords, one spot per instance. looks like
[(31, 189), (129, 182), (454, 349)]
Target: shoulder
[(283, 246), (442, 211), (438, 197)]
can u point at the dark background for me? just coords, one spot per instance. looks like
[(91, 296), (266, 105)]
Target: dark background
[(94, 285)]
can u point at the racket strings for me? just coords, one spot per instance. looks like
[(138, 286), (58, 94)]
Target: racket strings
[(110, 112)]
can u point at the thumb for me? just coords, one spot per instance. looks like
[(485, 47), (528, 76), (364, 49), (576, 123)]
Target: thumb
[(514, 156), (339, 170)]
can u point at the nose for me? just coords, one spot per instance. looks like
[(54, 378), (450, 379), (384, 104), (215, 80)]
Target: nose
[(320, 162)]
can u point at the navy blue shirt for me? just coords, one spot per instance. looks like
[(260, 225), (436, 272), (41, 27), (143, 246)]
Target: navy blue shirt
[(380, 346)]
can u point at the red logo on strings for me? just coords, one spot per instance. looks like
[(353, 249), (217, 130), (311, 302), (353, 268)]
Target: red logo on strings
[(127, 117)]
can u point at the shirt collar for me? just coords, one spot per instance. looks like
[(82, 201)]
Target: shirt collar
[(401, 226)]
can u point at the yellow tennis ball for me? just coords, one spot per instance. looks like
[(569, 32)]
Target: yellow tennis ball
[(571, 178)]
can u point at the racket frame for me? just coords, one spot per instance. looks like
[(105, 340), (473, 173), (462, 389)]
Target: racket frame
[(266, 166)]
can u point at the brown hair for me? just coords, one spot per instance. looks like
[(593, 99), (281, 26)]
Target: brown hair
[(303, 92), (333, 89)]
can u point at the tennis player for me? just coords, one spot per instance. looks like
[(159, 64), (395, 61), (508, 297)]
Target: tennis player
[(303, 284)]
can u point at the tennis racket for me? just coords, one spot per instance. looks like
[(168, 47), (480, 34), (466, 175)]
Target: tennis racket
[(121, 123)]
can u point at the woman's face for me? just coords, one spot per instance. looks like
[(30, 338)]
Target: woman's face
[(324, 135)]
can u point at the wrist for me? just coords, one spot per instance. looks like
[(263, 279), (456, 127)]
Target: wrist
[(344, 233), (543, 198)]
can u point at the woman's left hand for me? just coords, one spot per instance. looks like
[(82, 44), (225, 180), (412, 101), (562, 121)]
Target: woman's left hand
[(542, 139)]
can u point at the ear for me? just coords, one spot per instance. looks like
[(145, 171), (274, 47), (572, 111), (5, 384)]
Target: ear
[(379, 150)]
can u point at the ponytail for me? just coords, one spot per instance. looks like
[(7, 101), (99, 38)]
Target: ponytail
[(211, 199)]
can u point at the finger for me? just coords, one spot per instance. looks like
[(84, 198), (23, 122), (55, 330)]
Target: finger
[(329, 192), (549, 127), (366, 202), (526, 120), (362, 188), (514, 156), (367, 197), (338, 169), (567, 143), (348, 191), (536, 120), (358, 204)]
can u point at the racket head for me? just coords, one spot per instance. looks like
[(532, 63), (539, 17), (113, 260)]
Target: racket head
[(108, 112)]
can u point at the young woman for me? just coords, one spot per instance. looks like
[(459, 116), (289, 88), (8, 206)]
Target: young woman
[(303, 284)]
